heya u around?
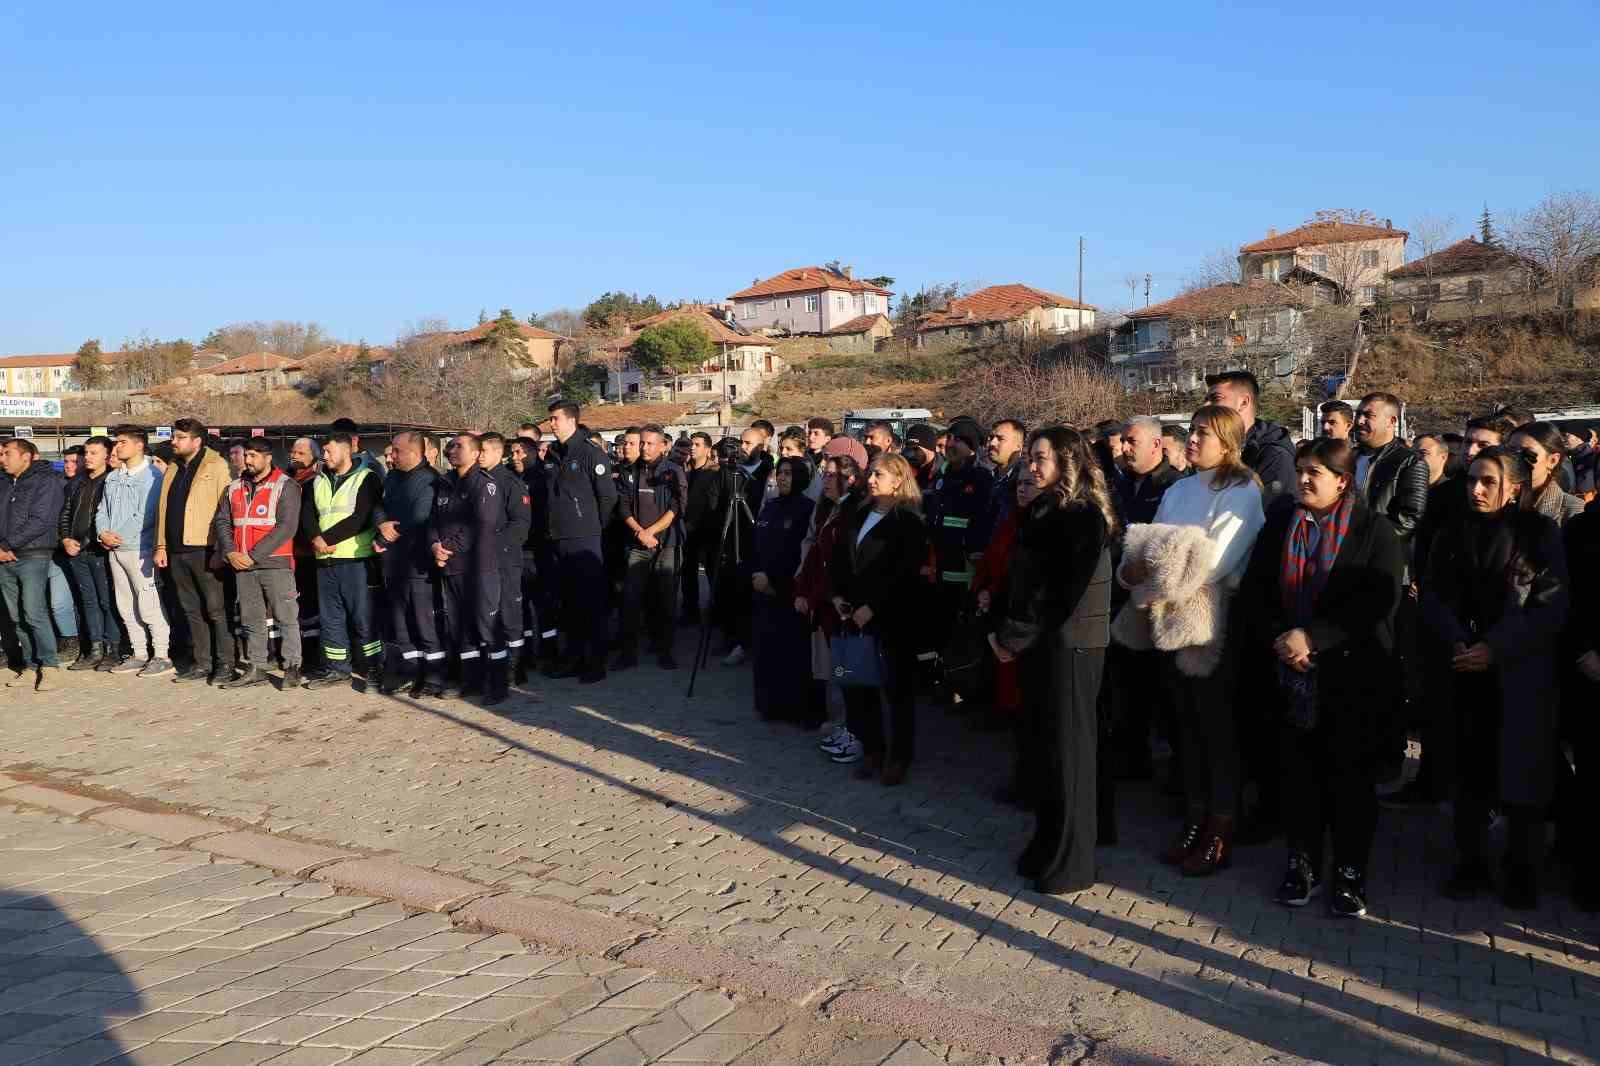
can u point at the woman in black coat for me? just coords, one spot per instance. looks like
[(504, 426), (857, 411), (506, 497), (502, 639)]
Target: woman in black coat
[(1495, 598), (873, 577), (1320, 591), (1580, 697), (781, 637), (1057, 624)]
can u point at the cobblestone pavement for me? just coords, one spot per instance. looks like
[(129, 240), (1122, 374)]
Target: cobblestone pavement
[(695, 817), (114, 951)]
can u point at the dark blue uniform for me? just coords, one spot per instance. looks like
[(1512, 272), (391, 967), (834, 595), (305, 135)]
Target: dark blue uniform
[(650, 492), (957, 510), (516, 518), (408, 575), (467, 519), (540, 591), (583, 497)]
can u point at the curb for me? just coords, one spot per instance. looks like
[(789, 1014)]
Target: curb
[(560, 926)]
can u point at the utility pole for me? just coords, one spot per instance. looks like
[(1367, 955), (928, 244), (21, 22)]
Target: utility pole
[(1147, 290), (1080, 282)]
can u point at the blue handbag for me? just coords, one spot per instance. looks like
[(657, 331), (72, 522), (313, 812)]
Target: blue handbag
[(857, 660)]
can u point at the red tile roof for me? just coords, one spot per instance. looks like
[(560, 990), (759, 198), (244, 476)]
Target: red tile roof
[(701, 315), (254, 363), (859, 324), (346, 353), (1219, 300), (55, 359), (806, 279), (1321, 233), (1463, 257), (997, 303), (480, 332)]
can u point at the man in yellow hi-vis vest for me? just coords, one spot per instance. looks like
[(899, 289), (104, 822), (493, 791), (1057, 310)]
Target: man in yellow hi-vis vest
[(346, 508)]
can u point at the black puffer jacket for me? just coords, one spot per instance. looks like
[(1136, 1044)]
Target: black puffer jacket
[(30, 506), (1397, 487), (1269, 451)]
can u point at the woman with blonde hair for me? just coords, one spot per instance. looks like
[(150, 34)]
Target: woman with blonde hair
[(1181, 570), (1057, 626), (872, 580)]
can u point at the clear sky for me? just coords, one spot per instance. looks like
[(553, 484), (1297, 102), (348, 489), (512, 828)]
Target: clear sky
[(175, 167)]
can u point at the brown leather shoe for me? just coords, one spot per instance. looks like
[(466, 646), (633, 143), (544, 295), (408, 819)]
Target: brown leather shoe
[(1179, 849), (893, 774)]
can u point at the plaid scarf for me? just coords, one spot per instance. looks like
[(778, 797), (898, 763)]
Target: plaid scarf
[(1303, 573)]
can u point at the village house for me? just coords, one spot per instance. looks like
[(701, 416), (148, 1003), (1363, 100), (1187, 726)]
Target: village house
[(808, 300), (863, 334), (1471, 277), (255, 372), (1003, 312), (1172, 345), (743, 362), (532, 347), (1355, 258), (44, 375)]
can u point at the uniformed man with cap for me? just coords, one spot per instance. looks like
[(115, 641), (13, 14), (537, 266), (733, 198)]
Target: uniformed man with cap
[(516, 519), (582, 499), (464, 534), (956, 507)]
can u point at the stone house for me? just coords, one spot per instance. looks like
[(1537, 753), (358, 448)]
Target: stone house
[(532, 348), (1002, 312), (743, 362), (257, 371), (863, 334), (1476, 277), (807, 300), (1355, 258)]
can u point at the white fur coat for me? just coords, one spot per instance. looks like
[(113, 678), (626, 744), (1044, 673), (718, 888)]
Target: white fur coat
[(1175, 609)]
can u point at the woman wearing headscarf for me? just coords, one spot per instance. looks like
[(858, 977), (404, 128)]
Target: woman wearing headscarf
[(781, 637), (1495, 599), (1321, 588), (1056, 627)]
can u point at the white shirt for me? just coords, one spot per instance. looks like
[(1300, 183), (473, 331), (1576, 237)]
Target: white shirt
[(1232, 518), (873, 518)]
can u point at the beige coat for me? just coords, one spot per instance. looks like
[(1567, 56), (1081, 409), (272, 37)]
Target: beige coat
[(210, 484)]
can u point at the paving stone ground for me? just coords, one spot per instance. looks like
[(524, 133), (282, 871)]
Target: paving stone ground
[(695, 817), (115, 950)]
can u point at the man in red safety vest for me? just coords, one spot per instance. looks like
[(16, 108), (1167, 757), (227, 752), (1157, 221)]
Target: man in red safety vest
[(255, 526)]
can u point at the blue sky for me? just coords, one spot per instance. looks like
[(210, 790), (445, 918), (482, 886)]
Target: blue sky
[(175, 167)]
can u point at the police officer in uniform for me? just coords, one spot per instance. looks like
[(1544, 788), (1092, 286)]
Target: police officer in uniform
[(539, 627), (464, 537), (515, 521), (582, 499), (408, 567)]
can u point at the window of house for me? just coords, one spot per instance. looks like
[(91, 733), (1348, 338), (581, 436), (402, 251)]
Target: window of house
[(750, 309), (1369, 293), (733, 392), (788, 302), (1269, 326), (811, 303), (1474, 290), (838, 303), (1319, 263), (1369, 258), (1266, 268)]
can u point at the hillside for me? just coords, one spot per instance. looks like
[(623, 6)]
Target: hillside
[(832, 384)]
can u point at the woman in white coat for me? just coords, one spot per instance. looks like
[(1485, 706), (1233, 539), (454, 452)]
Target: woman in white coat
[(1181, 571)]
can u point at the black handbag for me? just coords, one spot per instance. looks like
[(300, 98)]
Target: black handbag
[(967, 652)]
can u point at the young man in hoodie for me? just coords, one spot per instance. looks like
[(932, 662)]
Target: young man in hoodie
[(30, 503), (1267, 447), (126, 522)]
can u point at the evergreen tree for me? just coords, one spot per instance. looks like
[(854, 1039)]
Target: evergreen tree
[(1486, 228)]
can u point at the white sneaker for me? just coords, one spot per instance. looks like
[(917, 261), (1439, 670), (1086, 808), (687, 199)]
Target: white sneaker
[(838, 742), (735, 657), (851, 752), (833, 739)]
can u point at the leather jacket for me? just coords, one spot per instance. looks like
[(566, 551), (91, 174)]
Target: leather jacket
[(1397, 487)]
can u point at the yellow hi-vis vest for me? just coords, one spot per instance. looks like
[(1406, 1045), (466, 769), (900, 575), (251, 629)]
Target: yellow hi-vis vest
[(334, 507)]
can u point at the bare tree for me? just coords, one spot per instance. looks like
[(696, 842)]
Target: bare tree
[(1430, 233), (1040, 393), (291, 339), (1132, 282), (1561, 237), (1219, 267)]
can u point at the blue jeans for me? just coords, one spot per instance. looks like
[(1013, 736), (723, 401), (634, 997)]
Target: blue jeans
[(93, 579), (62, 607), (25, 588)]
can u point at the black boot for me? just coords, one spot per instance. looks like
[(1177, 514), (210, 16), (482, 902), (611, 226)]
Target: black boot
[(90, 658), (523, 661), (392, 677), (498, 687), (83, 653), (472, 676)]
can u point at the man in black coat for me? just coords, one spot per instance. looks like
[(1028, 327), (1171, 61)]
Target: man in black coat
[(583, 496), (702, 527), (409, 567), (1393, 478), (1267, 447), (650, 507), (464, 535), (516, 519), (31, 493)]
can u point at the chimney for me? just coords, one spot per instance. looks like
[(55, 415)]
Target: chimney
[(1388, 223), (849, 273), (1271, 232)]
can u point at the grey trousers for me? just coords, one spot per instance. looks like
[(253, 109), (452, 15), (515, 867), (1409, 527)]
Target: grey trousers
[(133, 579), (265, 594)]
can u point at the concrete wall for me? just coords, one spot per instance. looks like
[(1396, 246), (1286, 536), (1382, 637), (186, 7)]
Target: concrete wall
[(789, 312), (1340, 265)]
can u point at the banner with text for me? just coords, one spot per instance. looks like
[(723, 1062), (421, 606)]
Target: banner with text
[(30, 407)]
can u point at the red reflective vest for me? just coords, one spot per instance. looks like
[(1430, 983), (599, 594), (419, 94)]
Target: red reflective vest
[(255, 513)]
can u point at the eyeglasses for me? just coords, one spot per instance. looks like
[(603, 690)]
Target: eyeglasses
[(1533, 458)]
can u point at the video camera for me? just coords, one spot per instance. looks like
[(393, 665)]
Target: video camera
[(729, 452)]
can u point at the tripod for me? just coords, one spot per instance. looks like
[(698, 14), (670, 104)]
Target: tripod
[(738, 507)]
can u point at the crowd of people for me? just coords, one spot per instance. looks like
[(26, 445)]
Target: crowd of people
[(1281, 618)]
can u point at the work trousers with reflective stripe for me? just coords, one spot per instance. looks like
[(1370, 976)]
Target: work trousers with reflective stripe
[(541, 593), (508, 636), (414, 635), (345, 607), (267, 597), (472, 603)]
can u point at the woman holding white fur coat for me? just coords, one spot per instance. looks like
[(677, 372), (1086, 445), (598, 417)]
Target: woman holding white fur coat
[(1181, 570)]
